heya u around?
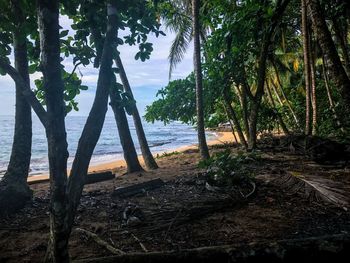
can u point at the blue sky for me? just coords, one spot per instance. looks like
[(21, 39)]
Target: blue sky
[(145, 78)]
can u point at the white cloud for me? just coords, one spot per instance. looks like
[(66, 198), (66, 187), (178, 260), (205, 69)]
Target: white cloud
[(145, 77)]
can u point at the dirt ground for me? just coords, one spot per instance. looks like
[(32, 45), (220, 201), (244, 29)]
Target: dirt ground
[(183, 213)]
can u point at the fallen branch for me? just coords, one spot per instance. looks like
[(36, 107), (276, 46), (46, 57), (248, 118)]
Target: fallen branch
[(334, 248), (101, 242), (141, 244)]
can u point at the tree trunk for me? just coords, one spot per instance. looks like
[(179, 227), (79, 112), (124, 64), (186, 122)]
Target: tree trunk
[(341, 37), (14, 190), (313, 93), (330, 99), (307, 70), (126, 141), (336, 71), (242, 95), (130, 155), (146, 153), (234, 118), (94, 123), (48, 13), (203, 147), (297, 122), (266, 43), (279, 117)]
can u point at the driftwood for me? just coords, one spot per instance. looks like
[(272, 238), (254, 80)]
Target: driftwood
[(100, 241), (99, 177), (138, 188), (314, 188), (90, 178), (335, 248)]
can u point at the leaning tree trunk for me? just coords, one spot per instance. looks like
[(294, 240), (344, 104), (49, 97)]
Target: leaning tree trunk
[(146, 153), (94, 123), (307, 70), (126, 141), (14, 190), (266, 43), (48, 12), (231, 113), (335, 68), (278, 115), (297, 122), (130, 155), (203, 147), (330, 99)]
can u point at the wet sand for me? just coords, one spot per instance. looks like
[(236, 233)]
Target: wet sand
[(221, 138)]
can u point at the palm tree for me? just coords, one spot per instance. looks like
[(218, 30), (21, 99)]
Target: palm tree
[(183, 18), (335, 68), (203, 148), (146, 152)]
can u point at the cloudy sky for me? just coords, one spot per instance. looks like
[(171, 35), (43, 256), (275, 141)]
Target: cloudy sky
[(145, 77)]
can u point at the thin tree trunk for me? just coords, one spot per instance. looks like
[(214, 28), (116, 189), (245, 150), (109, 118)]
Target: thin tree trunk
[(336, 70), (230, 121), (130, 155), (313, 93), (234, 118), (242, 95), (55, 128), (266, 43), (126, 141), (307, 69), (342, 40), (279, 117), (94, 123), (146, 153), (330, 99), (203, 147), (297, 122), (14, 190)]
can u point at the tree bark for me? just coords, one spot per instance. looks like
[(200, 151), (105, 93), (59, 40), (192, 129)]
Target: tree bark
[(313, 93), (202, 143), (335, 68), (94, 123), (48, 12), (14, 190), (297, 122), (146, 153), (234, 118), (279, 117), (126, 141), (307, 70), (330, 99), (26, 90), (242, 95), (266, 43), (130, 155)]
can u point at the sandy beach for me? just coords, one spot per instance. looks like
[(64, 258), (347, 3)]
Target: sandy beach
[(221, 138)]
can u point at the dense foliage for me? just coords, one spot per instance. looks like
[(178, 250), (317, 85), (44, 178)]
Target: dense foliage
[(253, 53)]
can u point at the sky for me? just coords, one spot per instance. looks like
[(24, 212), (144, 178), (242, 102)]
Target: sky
[(145, 78)]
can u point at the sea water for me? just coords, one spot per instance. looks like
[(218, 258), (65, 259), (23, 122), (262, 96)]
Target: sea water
[(160, 138)]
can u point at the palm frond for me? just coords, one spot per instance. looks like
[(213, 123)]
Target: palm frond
[(179, 47)]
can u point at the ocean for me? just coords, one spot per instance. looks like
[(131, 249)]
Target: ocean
[(161, 138)]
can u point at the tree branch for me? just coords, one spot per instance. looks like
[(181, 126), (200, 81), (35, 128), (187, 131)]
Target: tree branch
[(26, 91)]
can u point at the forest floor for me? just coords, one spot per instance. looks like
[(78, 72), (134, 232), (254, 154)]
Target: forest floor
[(183, 213)]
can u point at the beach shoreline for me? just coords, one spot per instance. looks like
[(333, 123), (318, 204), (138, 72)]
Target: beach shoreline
[(220, 138)]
